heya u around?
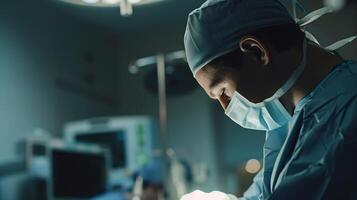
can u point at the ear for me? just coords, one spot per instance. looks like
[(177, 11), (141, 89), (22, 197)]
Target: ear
[(250, 44)]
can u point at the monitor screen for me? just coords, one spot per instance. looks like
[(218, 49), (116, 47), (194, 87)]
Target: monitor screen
[(114, 141), (78, 174)]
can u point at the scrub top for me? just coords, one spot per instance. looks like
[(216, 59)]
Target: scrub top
[(314, 156)]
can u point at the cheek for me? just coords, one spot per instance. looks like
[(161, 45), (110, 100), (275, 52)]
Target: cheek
[(254, 91), (254, 84)]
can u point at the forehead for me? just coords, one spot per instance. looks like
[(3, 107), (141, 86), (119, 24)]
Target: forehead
[(207, 75)]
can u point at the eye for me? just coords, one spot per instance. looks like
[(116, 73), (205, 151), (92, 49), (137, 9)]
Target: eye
[(225, 96), (223, 99)]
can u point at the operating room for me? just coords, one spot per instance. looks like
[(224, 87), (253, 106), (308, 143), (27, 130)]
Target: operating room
[(97, 101)]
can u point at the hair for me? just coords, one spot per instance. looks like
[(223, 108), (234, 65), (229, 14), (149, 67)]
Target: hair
[(281, 37)]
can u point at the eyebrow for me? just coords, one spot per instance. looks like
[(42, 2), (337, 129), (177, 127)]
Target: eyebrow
[(215, 81)]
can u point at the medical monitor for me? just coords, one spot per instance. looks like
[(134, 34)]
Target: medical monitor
[(112, 140), (128, 139), (78, 173)]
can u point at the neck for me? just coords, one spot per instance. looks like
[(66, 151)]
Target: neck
[(319, 64)]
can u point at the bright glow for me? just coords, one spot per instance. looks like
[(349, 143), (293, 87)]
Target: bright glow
[(134, 1), (335, 4), (90, 1), (252, 166), (215, 195), (111, 1)]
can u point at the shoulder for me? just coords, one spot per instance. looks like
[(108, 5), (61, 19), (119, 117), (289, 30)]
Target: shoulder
[(336, 94)]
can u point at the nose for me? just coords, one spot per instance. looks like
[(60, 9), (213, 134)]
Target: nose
[(224, 100)]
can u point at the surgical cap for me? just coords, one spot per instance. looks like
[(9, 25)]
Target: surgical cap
[(216, 27)]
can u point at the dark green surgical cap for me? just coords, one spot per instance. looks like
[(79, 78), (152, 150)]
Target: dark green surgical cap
[(215, 28)]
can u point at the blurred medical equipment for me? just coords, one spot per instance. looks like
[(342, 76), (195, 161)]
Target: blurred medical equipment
[(129, 140), (27, 151), (67, 170), (36, 153), (126, 6), (11, 168), (179, 79), (29, 167), (78, 171), (161, 61), (138, 188), (149, 181), (200, 172), (51, 163), (177, 174), (180, 173)]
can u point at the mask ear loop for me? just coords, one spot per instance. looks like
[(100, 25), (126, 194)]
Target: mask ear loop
[(311, 37), (340, 43), (296, 4), (313, 16)]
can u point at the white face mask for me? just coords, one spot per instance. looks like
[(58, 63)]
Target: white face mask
[(269, 114)]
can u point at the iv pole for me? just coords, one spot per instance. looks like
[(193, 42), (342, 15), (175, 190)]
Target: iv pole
[(161, 80), (159, 60)]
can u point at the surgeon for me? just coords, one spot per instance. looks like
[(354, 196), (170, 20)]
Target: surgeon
[(269, 74)]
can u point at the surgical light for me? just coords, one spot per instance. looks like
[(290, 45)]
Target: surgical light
[(134, 1), (90, 1), (111, 1), (126, 6)]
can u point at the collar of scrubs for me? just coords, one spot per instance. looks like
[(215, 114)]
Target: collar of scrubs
[(320, 86)]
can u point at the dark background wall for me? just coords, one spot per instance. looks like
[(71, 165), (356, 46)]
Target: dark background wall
[(44, 71)]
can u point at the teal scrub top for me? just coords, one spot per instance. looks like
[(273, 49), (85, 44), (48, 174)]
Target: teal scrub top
[(314, 156)]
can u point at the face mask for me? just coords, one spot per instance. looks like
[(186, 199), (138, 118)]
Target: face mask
[(269, 114)]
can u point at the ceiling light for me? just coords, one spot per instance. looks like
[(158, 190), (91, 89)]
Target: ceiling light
[(111, 1), (134, 1), (335, 4), (90, 1), (126, 6)]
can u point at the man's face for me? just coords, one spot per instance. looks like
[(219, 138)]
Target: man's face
[(253, 77), (219, 84)]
